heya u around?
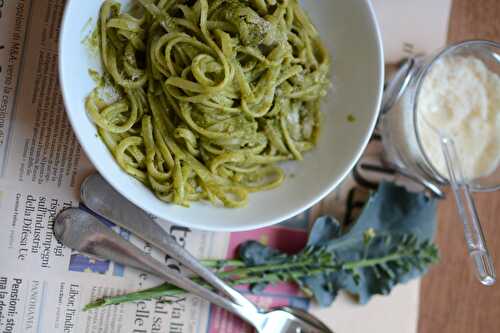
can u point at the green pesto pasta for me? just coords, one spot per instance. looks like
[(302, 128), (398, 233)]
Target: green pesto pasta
[(208, 96)]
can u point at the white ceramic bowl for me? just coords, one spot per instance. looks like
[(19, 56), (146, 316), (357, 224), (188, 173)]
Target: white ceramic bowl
[(350, 30)]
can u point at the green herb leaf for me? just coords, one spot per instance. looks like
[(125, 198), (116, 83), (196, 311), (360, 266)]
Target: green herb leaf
[(403, 223), (389, 244)]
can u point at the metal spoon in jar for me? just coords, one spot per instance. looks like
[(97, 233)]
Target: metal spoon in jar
[(81, 231)]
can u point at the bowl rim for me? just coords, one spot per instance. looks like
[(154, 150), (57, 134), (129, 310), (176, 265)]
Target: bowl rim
[(247, 227)]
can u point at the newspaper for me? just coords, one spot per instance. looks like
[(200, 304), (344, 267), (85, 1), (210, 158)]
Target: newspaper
[(44, 285)]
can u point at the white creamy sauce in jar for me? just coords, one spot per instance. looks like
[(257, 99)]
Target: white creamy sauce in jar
[(461, 97)]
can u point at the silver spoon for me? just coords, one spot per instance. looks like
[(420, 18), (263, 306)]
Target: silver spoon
[(104, 200), (81, 231)]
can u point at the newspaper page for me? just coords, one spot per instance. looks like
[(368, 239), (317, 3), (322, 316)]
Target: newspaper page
[(44, 285)]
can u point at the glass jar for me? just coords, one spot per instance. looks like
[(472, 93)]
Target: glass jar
[(401, 124)]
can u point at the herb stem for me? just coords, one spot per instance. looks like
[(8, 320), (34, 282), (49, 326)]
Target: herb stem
[(285, 272), (374, 261)]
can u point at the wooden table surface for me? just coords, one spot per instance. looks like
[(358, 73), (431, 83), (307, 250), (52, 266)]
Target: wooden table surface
[(452, 300)]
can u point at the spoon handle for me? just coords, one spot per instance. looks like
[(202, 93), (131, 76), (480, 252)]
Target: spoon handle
[(476, 244), (104, 200), (81, 231)]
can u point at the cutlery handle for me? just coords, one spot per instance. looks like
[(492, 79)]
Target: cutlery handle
[(104, 200), (467, 211)]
